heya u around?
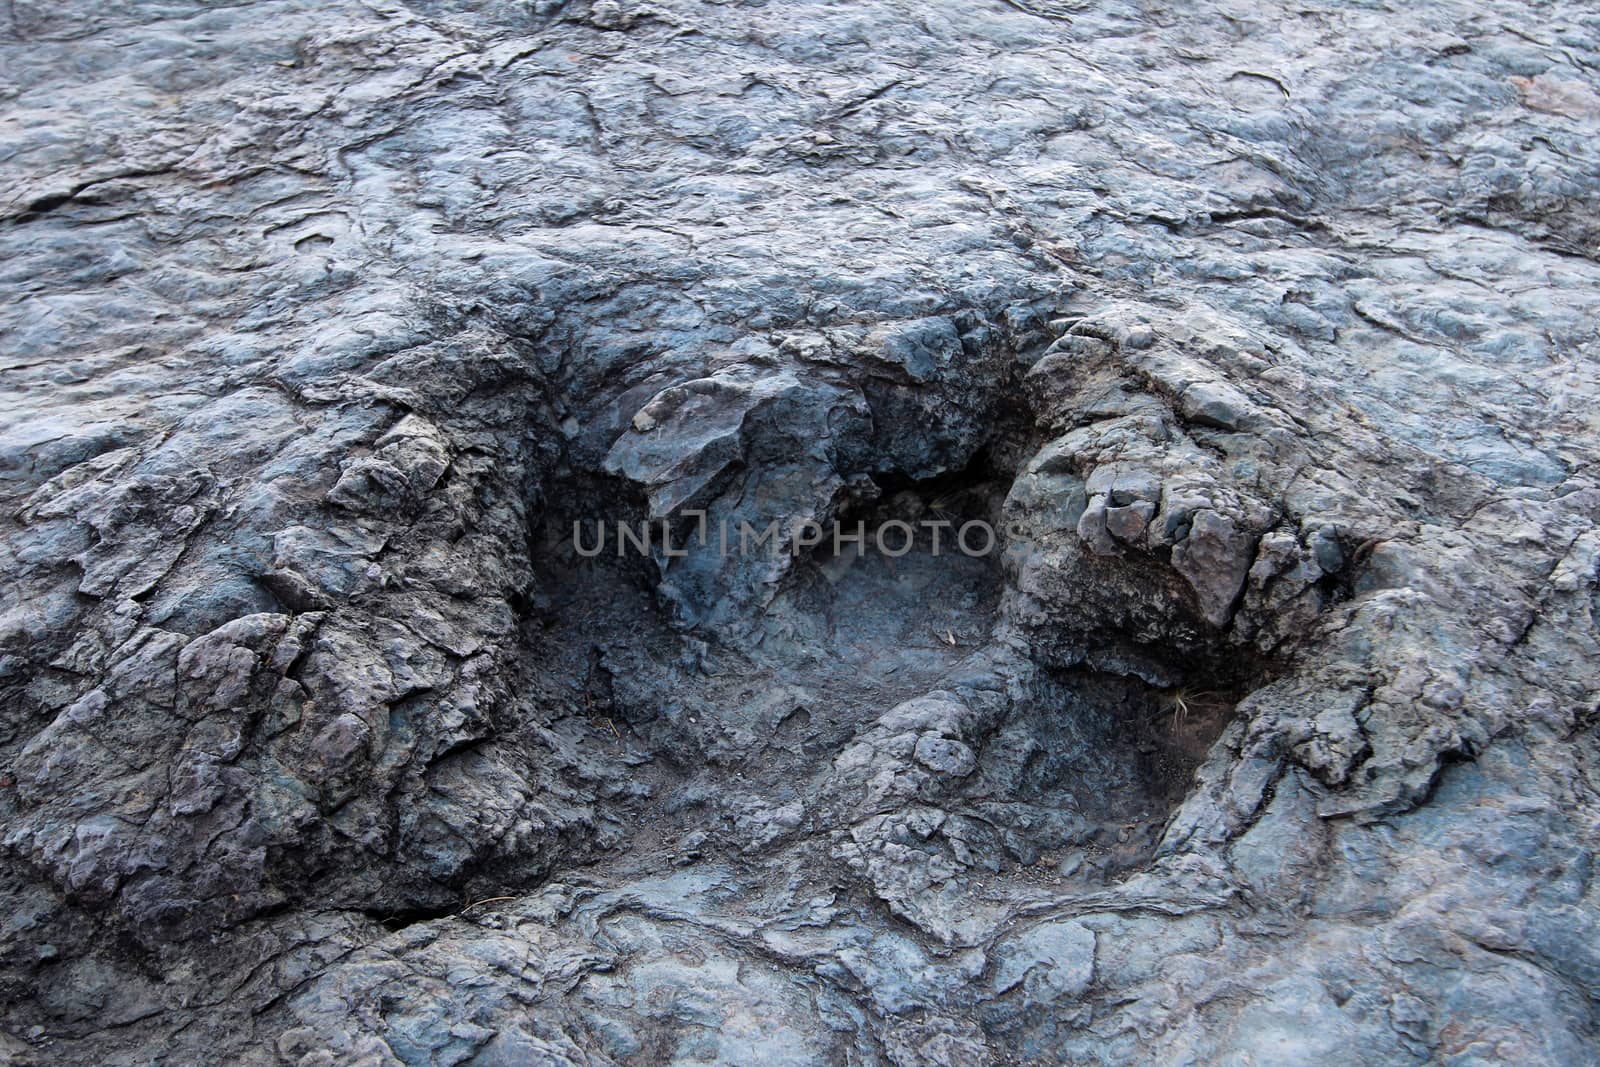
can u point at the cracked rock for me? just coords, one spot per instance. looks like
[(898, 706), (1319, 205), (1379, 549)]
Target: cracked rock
[(1263, 341)]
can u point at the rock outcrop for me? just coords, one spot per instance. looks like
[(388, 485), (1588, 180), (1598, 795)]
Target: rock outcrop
[(1264, 340)]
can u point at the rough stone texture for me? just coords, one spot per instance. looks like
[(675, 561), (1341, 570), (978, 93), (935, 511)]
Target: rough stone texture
[(1266, 336)]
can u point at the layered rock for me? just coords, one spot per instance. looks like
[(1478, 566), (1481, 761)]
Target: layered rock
[(1264, 339)]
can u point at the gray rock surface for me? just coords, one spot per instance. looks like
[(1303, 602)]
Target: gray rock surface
[(1267, 338)]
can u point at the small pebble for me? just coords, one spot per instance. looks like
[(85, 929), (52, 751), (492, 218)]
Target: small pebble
[(1140, 336)]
